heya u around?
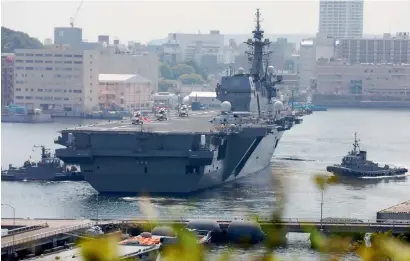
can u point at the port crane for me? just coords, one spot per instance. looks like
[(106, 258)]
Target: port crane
[(72, 19)]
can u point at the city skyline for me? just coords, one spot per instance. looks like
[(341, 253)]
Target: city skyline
[(131, 24)]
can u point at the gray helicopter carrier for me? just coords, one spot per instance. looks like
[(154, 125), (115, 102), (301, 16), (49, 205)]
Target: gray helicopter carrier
[(355, 164), (49, 168), (188, 154)]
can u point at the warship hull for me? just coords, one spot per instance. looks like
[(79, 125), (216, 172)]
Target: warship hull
[(131, 178), (121, 158)]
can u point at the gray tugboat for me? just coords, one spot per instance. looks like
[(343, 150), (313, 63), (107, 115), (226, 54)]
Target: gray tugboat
[(355, 164), (188, 154), (49, 168)]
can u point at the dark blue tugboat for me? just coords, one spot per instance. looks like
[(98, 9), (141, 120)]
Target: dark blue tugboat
[(355, 164), (49, 168)]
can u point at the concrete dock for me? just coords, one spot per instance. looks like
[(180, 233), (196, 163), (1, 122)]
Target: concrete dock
[(45, 231), (399, 212)]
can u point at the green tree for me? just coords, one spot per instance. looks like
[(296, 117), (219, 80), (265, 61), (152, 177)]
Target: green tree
[(181, 69), (198, 69), (192, 78), (11, 40), (166, 85), (166, 71), (194, 65)]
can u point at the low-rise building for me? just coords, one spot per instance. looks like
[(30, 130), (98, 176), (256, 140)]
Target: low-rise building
[(386, 49), (125, 91), (146, 65), (205, 98), (363, 79), (166, 99)]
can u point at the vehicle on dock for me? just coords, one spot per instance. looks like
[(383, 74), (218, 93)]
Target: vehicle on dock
[(161, 115), (355, 164), (49, 168), (183, 111), (137, 118)]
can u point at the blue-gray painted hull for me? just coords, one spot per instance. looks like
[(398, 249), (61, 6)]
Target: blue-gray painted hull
[(46, 173), (167, 175), (346, 172)]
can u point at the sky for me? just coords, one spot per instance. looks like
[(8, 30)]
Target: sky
[(142, 21)]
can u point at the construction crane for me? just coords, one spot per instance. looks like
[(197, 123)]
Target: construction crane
[(72, 19)]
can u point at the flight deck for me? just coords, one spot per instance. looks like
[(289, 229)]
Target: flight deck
[(197, 121)]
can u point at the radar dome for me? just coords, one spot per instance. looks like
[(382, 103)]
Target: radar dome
[(241, 70), (271, 69), (226, 106), (185, 100), (278, 105)]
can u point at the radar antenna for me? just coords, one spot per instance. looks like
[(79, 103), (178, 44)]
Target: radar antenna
[(256, 52), (356, 146)]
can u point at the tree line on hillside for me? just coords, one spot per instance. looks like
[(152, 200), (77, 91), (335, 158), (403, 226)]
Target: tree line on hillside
[(11, 40), (188, 73)]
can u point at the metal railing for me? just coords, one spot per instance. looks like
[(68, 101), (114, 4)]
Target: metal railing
[(47, 234), (345, 222), (228, 219), (25, 229)]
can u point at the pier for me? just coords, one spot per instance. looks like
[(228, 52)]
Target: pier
[(30, 237), (30, 233), (47, 228)]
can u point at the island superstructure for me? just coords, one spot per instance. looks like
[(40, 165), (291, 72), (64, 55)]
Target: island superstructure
[(187, 154)]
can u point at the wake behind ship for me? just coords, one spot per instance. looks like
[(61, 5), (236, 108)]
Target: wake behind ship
[(184, 155)]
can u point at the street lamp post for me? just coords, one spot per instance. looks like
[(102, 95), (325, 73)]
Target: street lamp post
[(321, 212), (14, 218)]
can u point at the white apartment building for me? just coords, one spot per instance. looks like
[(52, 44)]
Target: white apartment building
[(364, 79), (128, 91), (56, 79), (341, 19), (203, 44), (386, 49)]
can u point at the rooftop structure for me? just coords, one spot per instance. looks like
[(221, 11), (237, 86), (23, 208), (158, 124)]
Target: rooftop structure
[(203, 94)]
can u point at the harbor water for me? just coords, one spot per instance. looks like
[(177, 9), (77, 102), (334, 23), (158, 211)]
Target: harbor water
[(304, 151)]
